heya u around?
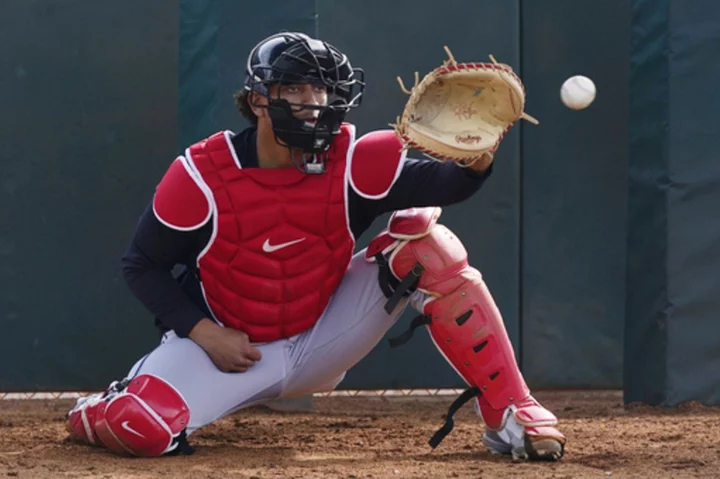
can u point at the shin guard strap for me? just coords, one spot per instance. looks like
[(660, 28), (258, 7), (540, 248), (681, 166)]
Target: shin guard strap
[(450, 421), (390, 290), (386, 280), (183, 446), (407, 285), (422, 320)]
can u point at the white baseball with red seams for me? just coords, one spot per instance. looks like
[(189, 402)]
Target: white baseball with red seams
[(578, 92)]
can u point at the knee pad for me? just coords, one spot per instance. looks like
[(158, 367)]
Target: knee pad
[(461, 316), (144, 416)]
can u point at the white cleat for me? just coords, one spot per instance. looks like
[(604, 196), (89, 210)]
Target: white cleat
[(535, 442)]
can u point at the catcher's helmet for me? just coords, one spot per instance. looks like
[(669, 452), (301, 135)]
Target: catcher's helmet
[(295, 58)]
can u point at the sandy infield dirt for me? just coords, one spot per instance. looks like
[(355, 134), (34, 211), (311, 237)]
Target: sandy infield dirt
[(379, 438)]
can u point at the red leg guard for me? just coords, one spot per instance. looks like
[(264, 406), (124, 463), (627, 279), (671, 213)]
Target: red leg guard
[(463, 320), (468, 329), (143, 417)]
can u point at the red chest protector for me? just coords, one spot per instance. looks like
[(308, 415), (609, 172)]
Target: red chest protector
[(281, 241)]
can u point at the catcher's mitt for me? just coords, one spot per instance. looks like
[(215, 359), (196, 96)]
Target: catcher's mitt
[(461, 111)]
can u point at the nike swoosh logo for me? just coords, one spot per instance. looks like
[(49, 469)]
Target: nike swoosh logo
[(128, 428), (268, 248)]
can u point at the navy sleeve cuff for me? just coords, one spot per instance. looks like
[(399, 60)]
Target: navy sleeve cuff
[(185, 321)]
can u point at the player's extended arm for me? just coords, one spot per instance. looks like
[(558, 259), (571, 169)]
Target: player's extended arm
[(383, 179), (429, 183)]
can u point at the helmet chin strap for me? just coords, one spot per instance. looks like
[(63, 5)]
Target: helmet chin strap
[(313, 166)]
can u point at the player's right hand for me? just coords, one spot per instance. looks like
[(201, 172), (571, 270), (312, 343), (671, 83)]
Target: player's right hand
[(228, 348)]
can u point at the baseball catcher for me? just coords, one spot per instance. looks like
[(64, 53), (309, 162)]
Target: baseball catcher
[(272, 301)]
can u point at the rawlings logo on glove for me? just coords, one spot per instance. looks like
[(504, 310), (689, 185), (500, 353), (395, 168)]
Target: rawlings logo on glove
[(461, 111)]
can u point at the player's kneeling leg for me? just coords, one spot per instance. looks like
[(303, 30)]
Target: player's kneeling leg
[(417, 254), (143, 416)]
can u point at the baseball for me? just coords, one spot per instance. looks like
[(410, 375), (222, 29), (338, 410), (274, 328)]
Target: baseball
[(577, 92)]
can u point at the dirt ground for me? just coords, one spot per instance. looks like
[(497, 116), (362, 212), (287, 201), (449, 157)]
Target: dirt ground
[(379, 438)]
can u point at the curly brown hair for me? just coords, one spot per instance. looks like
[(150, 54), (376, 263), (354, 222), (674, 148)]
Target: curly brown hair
[(243, 105)]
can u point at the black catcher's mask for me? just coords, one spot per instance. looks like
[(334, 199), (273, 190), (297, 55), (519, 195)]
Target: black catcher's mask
[(296, 59)]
